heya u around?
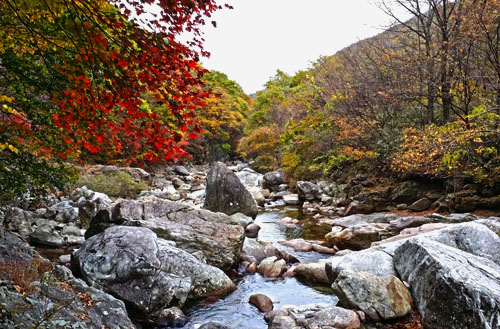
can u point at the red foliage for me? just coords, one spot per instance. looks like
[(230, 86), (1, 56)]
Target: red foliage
[(124, 57)]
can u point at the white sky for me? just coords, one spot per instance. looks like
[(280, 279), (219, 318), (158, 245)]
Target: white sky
[(258, 37)]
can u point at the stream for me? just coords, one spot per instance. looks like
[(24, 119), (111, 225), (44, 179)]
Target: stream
[(235, 311)]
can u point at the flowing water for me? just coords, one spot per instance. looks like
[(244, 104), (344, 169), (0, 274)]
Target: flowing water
[(235, 311)]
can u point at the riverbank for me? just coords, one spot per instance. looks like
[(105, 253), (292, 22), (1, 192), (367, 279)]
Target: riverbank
[(188, 266)]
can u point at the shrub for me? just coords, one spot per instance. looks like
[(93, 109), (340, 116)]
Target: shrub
[(117, 184)]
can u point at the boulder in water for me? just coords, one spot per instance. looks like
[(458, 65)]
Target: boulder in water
[(225, 193)]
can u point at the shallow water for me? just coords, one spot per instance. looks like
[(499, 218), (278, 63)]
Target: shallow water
[(235, 311)]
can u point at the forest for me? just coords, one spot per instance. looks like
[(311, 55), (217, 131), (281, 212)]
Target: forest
[(421, 98), (83, 83)]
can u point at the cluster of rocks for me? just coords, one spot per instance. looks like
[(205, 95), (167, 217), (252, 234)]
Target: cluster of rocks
[(364, 196), (450, 273), (145, 258)]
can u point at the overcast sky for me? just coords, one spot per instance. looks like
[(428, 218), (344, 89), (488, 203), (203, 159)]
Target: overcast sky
[(258, 37)]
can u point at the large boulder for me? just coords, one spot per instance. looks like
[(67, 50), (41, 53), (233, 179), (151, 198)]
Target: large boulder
[(313, 316), (451, 288), (225, 193), (380, 297), (474, 237), (372, 261), (217, 236), (148, 274), (34, 294), (308, 191), (273, 179)]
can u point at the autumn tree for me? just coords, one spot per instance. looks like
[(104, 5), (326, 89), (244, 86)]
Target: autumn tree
[(73, 75), (222, 119)]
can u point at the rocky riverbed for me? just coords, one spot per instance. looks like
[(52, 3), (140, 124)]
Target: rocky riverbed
[(242, 249)]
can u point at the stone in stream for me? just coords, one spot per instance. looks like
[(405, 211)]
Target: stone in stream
[(252, 230), (145, 272), (273, 179), (298, 244), (256, 251), (452, 288), (314, 272), (225, 193), (291, 199), (379, 297), (262, 302), (272, 267), (308, 191), (313, 316), (242, 219), (372, 261), (172, 318), (358, 236)]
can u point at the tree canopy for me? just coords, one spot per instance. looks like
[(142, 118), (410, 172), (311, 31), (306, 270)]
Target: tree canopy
[(74, 75)]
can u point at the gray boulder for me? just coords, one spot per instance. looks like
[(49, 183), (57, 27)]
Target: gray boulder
[(421, 204), (249, 178), (149, 276), (308, 191), (380, 297), (375, 262), (225, 193), (273, 179), (451, 288), (216, 235), (313, 316), (51, 297)]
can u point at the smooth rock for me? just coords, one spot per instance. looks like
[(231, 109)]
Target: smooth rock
[(256, 251), (313, 316), (298, 244), (252, 230), (379, 297), (372, 261), (291, 199), (216, 235), (421, 204), (314, 272), (262, 302), (358, 236), (273, 179), (243, 220), (272, 267)]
